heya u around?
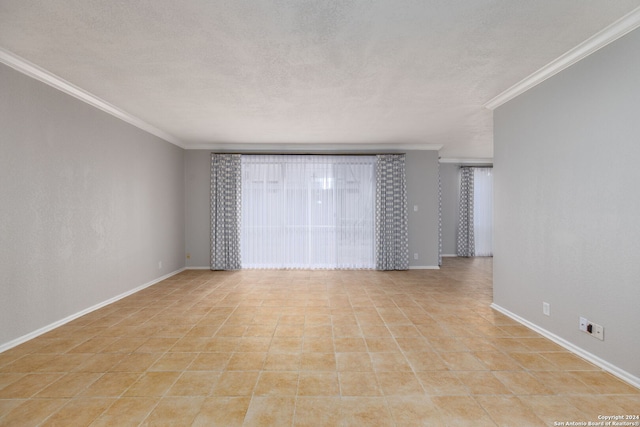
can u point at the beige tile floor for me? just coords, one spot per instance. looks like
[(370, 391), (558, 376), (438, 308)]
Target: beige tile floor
[(305, 348)]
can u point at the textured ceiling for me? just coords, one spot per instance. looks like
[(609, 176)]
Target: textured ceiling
[(304, 71)]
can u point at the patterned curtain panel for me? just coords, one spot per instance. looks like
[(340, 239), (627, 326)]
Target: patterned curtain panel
[(466, 244), (226, 199), (391, 234)]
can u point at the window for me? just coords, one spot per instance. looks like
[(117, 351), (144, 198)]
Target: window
[(483, 211), (308, 211)]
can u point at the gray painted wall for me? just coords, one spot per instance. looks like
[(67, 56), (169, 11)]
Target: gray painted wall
[(567, 223), (422, 189), (88, 206), (197, 164), (450, 178)]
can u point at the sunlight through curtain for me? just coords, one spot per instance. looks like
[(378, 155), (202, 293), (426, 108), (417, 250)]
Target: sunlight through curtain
[(483, 211), (307, 212)]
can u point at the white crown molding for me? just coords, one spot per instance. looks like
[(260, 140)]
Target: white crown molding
[(619, 28), (51, 326), (609, 367), (484, 161), (32, 70), (314, 148)]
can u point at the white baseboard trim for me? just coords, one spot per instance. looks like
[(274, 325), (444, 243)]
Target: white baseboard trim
[(612, 369), (51, 326), (449, 256), (198, 268)]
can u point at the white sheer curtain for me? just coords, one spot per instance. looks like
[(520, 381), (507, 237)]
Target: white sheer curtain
[(483, 211), (307, 211)]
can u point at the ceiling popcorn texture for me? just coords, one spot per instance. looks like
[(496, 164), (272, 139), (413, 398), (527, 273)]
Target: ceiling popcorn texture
[(304, 71)]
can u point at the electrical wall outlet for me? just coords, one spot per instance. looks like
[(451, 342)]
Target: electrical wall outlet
[(159, 265), (593, 329), (598, 332), (583, 324), (415, 256), (546, 309)]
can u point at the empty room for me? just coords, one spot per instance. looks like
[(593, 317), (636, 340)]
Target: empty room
[(319, 213)]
